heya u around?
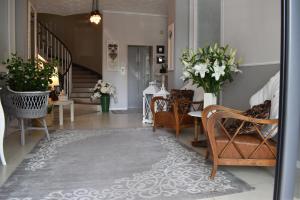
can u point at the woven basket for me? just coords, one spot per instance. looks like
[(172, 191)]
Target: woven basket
[(27, 105)]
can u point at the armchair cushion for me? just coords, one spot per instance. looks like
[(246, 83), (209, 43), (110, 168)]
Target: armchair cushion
[(198, 91), (261, 111), (177, 95)]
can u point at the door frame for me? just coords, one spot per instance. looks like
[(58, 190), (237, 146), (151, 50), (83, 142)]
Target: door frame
[(289, 129)]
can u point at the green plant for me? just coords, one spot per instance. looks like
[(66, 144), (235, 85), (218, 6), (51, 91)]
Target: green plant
[(209, 67), (30, 75)]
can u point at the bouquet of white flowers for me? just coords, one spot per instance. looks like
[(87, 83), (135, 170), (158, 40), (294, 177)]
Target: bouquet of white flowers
[(209, 67), (103, 88)]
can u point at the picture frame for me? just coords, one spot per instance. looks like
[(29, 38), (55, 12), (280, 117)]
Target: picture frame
[(112, 57), (160, 49), (160, 59)]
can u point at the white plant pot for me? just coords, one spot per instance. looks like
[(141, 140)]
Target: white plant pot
[(209, 99)]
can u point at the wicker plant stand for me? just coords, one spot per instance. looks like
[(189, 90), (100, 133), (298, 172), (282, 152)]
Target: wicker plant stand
[(27, 106)]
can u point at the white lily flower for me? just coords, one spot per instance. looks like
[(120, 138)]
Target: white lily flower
[(186, 74), (231, 61), (201, 69), (234, 68), (218, 71), (186, 64), (233, 53)]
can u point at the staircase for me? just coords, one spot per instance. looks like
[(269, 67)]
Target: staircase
[(76, 80), (51, 48), (83, 81)]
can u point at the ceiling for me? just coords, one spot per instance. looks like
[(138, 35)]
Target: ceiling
[(71, 7)]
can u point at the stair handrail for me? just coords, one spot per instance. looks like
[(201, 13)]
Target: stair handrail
[(65, 59)]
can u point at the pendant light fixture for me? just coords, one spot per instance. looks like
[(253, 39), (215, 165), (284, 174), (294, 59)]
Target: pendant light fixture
[(95, 14)]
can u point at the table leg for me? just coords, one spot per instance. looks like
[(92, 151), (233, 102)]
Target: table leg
[(72, 112), (197, 142), (196, 136), (61, 115)]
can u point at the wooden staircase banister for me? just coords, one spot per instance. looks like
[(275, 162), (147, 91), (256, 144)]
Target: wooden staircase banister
[(51, 47)]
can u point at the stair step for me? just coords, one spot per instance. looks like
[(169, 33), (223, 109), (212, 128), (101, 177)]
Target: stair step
[(81, 95), (86, 101), (84, 73), (82, 90), (85, 80), (83, 85), (84, 76), (80, 76)]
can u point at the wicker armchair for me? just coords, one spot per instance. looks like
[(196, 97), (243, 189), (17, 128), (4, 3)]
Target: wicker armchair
[(173, 112), (238, 148)]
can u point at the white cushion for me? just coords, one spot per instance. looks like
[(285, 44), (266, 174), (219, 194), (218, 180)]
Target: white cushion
[(271, 92), (198, 92)]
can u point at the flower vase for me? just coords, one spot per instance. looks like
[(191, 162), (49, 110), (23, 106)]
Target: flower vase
[(105, 101), (209, 99)]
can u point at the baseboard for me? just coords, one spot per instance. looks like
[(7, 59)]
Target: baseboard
[(124, 108), (298, 164)]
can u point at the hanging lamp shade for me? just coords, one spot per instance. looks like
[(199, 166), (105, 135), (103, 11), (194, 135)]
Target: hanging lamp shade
[(95, 14)]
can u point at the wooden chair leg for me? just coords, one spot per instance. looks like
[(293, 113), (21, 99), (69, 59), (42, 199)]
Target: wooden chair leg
[(213, 171), (153, 127), (177, 132), (207, 155)]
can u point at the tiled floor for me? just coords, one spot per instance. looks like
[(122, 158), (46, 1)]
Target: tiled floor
[(87, 117)]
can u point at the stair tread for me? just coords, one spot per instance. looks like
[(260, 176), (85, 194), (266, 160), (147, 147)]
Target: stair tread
[(83, 81), (85, 101)]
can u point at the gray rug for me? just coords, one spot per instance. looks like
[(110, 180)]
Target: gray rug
[(128, 164)]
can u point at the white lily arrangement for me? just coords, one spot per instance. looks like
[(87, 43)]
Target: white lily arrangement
[(209, 67), (103, 88)]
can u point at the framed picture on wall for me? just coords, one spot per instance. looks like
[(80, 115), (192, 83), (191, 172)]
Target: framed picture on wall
[(171, 41), (112, 49), (160, 59), (160, 49)]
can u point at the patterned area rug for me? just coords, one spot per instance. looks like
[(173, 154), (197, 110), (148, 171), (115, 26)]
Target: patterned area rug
[(128, 164)]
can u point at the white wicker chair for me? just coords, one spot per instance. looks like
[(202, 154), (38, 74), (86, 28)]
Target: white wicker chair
[(27, 105)]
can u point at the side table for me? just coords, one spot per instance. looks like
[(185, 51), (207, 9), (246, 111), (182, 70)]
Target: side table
[(61, 105), (197, 117)]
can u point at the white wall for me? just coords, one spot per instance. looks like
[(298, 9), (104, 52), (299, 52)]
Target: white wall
[(181, 21), (253, 27), (130, 29), (21, 30), (208, 22), (7, 33)]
